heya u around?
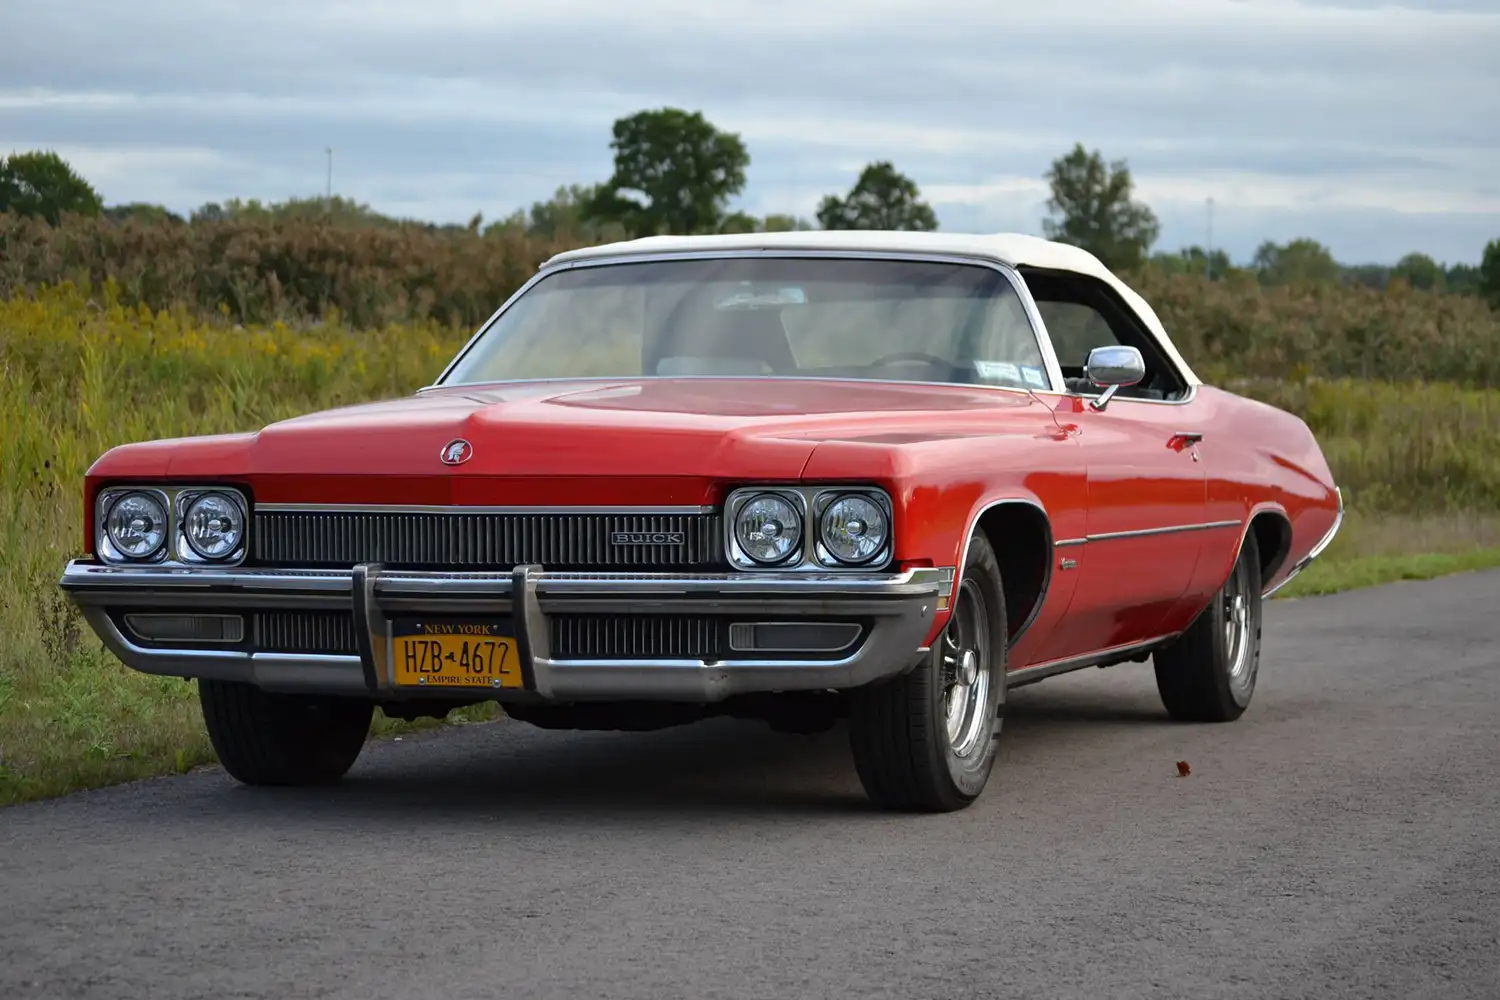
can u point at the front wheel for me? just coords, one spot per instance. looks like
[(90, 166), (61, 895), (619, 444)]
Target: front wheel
[(926, 741), (283, 739), (1208, 674)]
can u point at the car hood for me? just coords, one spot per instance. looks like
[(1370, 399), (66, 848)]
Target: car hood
[(656, 440)]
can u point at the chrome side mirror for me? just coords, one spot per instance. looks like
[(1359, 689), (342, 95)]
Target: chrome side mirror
[(1111, 367)]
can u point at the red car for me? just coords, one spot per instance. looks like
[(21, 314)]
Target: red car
[(800, 477)]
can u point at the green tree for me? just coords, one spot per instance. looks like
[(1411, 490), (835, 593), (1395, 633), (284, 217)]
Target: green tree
[(882, 198), (42, 183), (143, 211), (1463, 278), (1489, 274), (780, 223), (1090, 207), (1192, 260), (674, 173), (1300, 262), (1420, 271)]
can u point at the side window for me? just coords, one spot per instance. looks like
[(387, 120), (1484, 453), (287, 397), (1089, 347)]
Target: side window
[(1075, 329), (1082, 313)]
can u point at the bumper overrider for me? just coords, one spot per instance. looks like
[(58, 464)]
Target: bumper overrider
[(567, 636)]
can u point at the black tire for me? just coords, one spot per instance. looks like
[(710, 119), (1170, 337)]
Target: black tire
[(282, 739), (1207, 674), (898, 728)]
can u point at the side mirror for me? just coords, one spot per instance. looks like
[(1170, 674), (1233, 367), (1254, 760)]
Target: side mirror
[(1111, 367)]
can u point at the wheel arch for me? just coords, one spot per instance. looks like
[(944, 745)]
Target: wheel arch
[(1269, 529), (1020, 533)]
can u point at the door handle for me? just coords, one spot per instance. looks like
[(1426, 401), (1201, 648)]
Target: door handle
[(1188, 437)]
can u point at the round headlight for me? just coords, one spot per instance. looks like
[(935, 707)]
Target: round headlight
[(137, 525), (854, 529), (768, 528), (213, 526)]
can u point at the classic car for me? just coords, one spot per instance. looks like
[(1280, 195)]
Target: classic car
[(875, 479)]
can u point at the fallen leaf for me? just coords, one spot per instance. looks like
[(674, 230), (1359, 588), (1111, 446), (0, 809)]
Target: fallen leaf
[(1182, 769)]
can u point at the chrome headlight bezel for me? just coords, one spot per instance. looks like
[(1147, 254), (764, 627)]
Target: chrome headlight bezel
[(738, 501), (187, 553), (825, 554), (104, 542), (810, 502), (175, 500)]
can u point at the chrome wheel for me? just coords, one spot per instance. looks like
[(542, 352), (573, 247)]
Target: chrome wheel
[(966, 672), (1237, 625)]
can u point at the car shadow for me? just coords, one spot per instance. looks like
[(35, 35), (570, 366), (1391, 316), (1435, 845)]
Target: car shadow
[(511, 770)]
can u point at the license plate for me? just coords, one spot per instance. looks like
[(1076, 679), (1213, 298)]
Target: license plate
[(455, 655)]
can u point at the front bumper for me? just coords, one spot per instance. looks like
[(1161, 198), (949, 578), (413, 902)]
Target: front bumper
[(895, 612)]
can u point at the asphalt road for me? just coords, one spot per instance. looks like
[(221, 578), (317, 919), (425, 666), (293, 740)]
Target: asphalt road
[(1341, 840)]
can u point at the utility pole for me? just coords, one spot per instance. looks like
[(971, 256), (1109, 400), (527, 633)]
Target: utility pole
[(1208, 251), (328, 196)]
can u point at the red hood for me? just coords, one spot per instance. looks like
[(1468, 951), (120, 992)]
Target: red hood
[(656, 441)]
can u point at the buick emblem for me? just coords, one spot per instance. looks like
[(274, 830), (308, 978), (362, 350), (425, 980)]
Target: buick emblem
[(646, 538), (457, 452)]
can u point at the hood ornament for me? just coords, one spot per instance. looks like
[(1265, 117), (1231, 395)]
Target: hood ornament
[(457, 452)]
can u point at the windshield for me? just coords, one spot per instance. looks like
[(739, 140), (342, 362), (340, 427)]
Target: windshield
[(922, 321)]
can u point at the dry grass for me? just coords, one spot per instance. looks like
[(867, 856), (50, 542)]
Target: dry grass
[(81, 376)]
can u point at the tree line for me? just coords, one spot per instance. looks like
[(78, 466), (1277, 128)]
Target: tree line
[(675, 172)]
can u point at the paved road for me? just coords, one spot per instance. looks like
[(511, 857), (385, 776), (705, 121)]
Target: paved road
[(1341, 840)]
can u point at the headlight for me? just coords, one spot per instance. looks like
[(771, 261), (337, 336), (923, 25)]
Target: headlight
[(137, 525), (213, 526), (854, 529), (768, 528)]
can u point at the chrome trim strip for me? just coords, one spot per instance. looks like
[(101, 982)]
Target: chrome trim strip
[(1012, 275), (1102, 657), (98, 584), (1107, 536), (369, 508), (1317, 550)]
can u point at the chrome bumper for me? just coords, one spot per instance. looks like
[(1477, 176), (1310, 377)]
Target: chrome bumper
[(898, 607)]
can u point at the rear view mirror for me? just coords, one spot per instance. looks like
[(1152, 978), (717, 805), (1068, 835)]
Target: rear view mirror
[(1111, 367)]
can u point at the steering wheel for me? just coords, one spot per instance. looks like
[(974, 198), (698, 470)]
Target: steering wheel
[(931, 359)]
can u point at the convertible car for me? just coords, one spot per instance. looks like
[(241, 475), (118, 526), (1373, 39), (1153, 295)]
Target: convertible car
[(879, 477)]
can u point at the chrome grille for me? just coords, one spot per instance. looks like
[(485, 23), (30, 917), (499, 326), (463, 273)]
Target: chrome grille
[(577, 637), (484, 540), (305, 632)]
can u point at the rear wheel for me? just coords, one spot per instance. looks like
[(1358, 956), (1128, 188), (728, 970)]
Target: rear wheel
[(1208, 674), (283, 739), (926, 741)]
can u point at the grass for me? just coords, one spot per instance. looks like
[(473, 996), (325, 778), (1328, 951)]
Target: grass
[(1375, 549), (81, 376)]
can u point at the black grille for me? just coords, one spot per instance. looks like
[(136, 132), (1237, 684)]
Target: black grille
[(305, 632), (498, 541), (579, 637), (574, 637)]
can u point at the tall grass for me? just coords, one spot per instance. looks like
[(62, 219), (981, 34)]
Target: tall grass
[(259, 270), (84, 373)]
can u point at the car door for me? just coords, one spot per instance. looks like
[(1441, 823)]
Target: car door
[(1146, 485)]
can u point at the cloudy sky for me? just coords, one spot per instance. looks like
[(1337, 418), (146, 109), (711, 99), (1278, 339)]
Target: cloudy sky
[(1371, 126)]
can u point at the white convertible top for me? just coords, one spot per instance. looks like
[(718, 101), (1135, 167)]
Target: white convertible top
[(1015, 249)]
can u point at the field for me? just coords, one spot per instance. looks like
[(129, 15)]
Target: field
[(1419, 462)]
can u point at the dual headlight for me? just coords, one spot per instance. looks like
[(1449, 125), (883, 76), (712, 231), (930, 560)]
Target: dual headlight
[(817, 527), (187, 525)]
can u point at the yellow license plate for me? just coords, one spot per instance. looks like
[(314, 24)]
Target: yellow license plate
[(455, 655)]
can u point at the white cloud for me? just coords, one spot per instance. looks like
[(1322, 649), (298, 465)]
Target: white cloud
[(1312, 114)]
